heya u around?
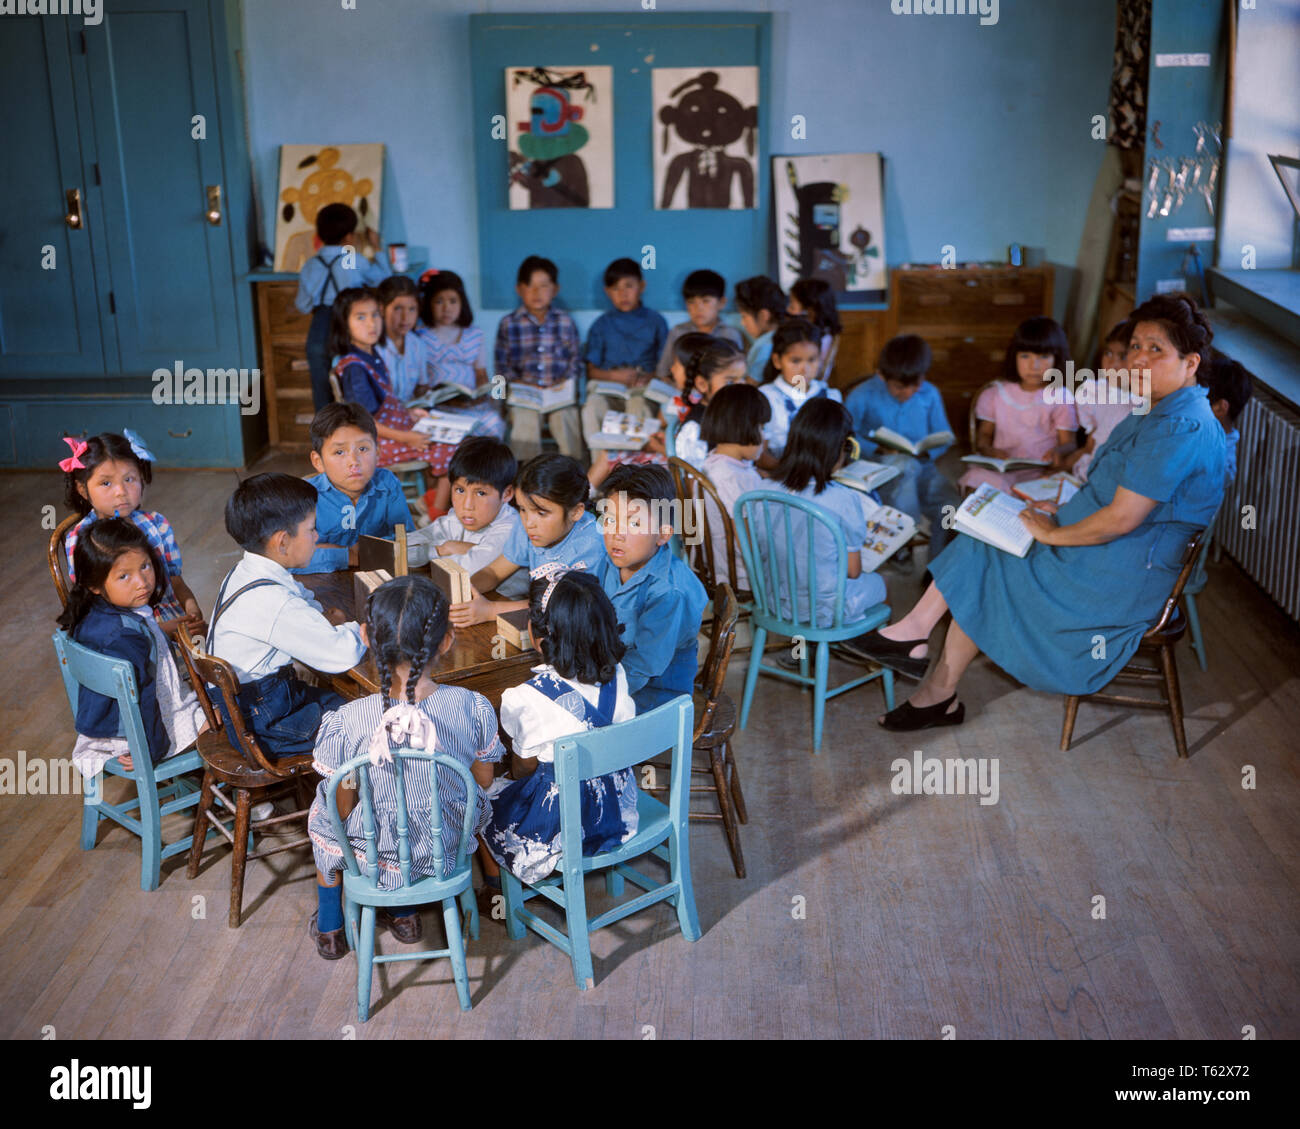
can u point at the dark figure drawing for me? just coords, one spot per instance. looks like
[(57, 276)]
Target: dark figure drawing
[(818, 253), (547, 163), (709, 119)]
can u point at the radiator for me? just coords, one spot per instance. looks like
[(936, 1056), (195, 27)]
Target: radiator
[(1268, 479)]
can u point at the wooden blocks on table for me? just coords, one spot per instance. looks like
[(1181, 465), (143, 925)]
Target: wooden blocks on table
[(363, 583), (452, 579), (513, 628), (381, 553)]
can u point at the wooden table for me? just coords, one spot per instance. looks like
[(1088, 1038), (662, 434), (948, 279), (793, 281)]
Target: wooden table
[(469, 662)]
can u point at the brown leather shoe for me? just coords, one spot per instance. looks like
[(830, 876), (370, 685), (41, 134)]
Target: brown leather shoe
[(331, 945), (408, 929)]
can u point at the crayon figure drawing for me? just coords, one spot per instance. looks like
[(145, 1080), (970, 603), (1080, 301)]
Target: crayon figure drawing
[(561, 137), (706, 126), (312, 176)]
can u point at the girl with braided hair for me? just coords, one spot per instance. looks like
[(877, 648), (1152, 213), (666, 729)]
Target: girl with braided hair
[(407, 630)]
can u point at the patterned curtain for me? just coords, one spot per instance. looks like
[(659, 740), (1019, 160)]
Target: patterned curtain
[(1128, 81)]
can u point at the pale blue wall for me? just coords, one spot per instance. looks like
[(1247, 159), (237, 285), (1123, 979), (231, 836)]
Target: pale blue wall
[(986, 131)]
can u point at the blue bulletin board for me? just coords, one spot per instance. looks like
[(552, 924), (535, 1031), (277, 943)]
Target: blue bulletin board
[(582, 241)]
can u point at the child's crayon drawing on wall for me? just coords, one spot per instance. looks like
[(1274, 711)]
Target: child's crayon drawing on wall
[(561, 137), (830, 220), (705, 125), (312, 176)]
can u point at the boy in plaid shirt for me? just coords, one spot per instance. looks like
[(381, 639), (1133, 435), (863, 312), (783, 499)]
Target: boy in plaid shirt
[(539, 345)]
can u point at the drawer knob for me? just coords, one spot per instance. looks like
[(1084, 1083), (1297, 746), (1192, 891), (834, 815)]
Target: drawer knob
[(181, 434)]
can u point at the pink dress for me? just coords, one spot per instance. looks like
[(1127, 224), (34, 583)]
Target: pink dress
[(1098, 418), (1024, 425)]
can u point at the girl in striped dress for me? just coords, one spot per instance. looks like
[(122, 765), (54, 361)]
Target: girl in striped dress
[(406, 629)]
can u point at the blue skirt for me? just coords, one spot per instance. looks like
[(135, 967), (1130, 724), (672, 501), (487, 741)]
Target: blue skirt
[(523, 834)]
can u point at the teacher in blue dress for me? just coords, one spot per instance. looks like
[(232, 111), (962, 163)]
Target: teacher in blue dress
[(1069, 615)]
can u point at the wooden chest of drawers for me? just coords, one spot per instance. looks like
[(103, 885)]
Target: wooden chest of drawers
[(967, 317), (286, 380)]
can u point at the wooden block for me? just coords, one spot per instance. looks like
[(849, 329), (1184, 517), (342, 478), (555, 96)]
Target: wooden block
[(399, 550), (513, 628), (378, 553), (363, 583), (452, 579)]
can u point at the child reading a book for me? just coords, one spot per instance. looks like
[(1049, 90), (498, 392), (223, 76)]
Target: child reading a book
[(482, 518), (580, 685), (1103, 401), (817, 447), (406, 627), (554, 527), (363, 379), (119, 580), (623, 347), (457, 351), (658, 600), (104, 477), (1017, 418), (339, 265), (705, 294), (901, 403), (762, 307), (732, 429), (538, 345), (713, 366), (264, 620), (813, 298), (791, 382), (354, 496)]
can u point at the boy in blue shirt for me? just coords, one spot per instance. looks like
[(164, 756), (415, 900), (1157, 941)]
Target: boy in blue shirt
[(354, 497), (659, 601), (333, 268), (900, 398), (623, 346), (1230, 388)]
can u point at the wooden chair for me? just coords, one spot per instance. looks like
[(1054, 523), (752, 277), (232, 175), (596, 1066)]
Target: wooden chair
[(252, 775), (362, 894), (57, 558), (765, 526), (715, 723), (698, 496), (159, 790), (661, 831), (1194, 587), (972, 423), (1158, 640)]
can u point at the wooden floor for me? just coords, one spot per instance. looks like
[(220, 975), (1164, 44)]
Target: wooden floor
[(865, 913)]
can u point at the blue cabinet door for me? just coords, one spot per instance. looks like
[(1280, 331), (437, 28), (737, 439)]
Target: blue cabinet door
[(49, 312), (150, 70)]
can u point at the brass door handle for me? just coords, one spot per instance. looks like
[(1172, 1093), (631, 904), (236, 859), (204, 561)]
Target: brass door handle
[(73, 216), (214, 205)]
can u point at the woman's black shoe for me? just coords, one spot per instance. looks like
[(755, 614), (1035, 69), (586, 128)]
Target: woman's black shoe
[(888, 652), (907, 717)]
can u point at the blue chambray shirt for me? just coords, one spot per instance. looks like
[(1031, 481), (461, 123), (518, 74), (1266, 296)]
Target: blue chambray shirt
[(922, 414), (380, 508), (633, 337), (660, 608)]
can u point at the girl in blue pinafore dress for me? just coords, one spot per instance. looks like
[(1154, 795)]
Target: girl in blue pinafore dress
[(581, 686)]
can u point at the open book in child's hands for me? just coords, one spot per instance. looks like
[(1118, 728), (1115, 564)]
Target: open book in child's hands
[(449, 390), (888, 530), (443, 427), (622, 432), (887, 437), (991, 516), (864, 475), (537, 399), (1004, 465)]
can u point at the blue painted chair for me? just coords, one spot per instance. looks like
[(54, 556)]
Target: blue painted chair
[(765, 519), (362, 894), (661, 831), (160, 790), (1195, 586)]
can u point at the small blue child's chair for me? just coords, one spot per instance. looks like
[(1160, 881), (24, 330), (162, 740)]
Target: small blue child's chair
[(114, 678), (661, 831), (362, 894), (764, 517)]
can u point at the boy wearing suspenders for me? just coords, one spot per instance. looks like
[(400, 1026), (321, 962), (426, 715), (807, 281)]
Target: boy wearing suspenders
[(319, 282)]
